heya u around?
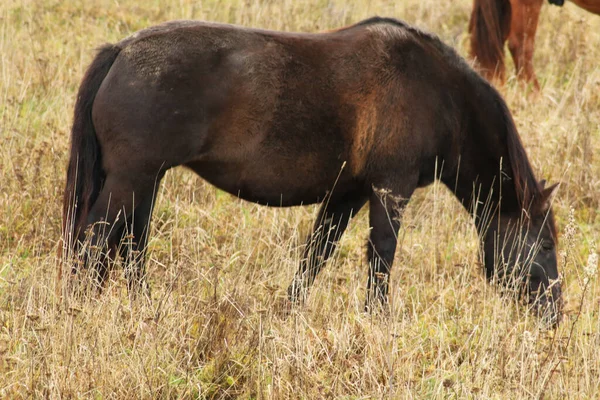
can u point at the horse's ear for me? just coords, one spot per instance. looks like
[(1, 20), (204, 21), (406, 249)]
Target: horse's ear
[(548, 194)]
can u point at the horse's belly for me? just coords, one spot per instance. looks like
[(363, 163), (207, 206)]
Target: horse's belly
[(274, 184)]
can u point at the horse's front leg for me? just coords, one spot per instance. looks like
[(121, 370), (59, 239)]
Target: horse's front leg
[(331, 223), (385, 209)]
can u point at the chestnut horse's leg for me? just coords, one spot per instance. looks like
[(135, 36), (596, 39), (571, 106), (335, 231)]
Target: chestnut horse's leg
[(521, 40), (384, 218), (328, 228), (115, 203)]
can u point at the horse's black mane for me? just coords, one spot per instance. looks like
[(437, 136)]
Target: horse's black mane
[(527, 188)]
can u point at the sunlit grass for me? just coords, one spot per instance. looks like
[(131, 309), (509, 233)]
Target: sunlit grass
[(219, 267)]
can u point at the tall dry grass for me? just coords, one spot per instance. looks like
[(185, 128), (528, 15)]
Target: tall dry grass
[(218, 266)]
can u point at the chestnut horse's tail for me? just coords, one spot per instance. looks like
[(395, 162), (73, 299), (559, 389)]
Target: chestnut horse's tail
[(489, 28), (85, 175)]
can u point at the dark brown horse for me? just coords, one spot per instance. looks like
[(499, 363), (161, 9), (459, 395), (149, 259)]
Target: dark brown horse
[(367, 113), (493, 22)]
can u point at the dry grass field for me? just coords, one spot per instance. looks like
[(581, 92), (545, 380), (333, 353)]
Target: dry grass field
[(218, 266)]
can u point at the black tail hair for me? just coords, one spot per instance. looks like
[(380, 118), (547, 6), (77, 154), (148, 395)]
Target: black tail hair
[(85, 175)]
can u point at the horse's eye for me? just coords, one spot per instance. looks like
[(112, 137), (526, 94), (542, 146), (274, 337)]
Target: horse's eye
[(547, 245)]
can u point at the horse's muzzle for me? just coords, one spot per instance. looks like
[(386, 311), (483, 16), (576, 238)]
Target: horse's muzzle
[(549, 306)]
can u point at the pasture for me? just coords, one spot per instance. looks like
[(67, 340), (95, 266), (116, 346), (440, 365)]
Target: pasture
[(219, 267)]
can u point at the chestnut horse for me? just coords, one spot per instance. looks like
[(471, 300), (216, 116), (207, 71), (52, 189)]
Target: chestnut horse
[(493, 22), (367, 113)]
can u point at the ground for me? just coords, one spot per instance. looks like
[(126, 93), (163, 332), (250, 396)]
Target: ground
[(219, 266)]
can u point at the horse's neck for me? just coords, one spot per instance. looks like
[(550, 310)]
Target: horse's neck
[(483, 194), (482, 181)]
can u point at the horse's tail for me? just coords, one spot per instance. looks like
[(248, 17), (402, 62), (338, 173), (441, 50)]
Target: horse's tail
[(85, 175), (489, 28)]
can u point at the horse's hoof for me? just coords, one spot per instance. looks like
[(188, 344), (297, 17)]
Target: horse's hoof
[(282, 307)]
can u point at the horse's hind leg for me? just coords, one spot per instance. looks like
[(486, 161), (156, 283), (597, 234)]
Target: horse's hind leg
[(133, 249), (328, 228), (521, 40), (385, 210), (116, 201)]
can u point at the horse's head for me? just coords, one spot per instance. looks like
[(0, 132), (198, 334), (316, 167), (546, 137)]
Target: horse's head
[(520, 252)]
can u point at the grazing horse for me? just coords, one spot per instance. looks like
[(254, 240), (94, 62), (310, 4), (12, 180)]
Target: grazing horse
[(366, 113), (493, 22)]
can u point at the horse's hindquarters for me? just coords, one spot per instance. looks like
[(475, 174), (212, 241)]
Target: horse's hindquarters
[(243, 116)]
